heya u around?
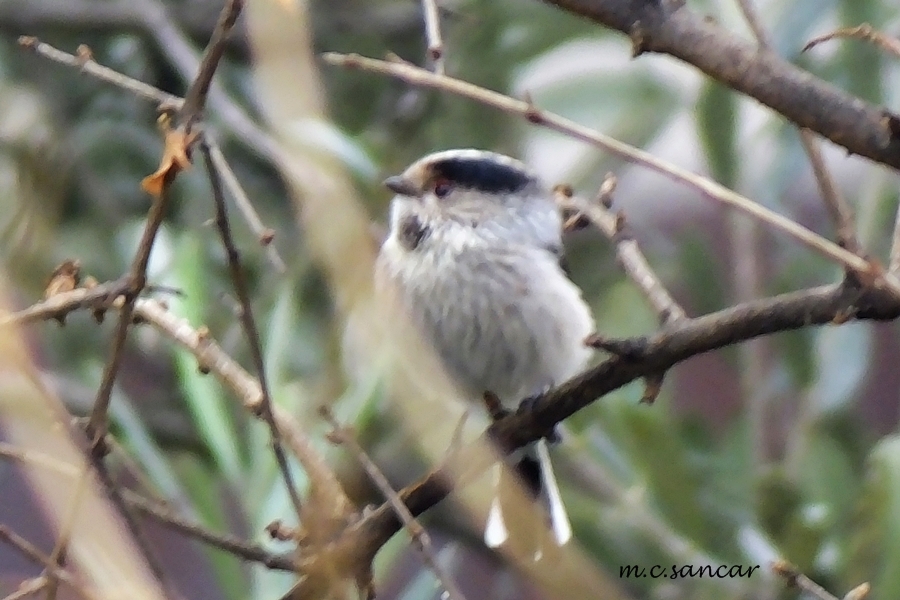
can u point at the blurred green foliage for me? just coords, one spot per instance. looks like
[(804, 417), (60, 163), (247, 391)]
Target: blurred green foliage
[(674, 482)]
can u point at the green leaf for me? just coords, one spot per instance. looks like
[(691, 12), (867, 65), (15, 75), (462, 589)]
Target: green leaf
[(874, 543), (716, 111), (843, 356), (203, 395)]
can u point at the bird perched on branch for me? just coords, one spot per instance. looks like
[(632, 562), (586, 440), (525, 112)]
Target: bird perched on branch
[(473, 258)]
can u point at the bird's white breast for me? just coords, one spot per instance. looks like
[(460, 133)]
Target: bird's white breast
[(503, 317)]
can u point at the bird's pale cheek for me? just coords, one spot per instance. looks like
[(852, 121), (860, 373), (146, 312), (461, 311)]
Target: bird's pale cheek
[(411, 232)]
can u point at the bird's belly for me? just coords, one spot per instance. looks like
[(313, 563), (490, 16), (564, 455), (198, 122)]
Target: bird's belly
[(497, 331)]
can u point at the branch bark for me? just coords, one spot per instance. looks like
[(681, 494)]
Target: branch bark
[(669, 27), (658, 352)]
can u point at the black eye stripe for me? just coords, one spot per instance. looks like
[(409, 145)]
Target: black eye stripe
[(411, 232), (482, 174)]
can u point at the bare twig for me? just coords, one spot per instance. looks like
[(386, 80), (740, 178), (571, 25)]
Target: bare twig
[(248, 322), (100, 297), (60, 549), (755, 24), (894, 264), (242, 201), (613, 226), (195, 99), (417, 76), (418, 534), (27, 588), (675, 29), (863, 32), (838, 208), (795, 578), (188, 114), (211, 356), (96, 427), (114, 492), (628, 252), (38, 459), (162, 514), (433, 35), (180, 52), (87, 65), (35, 555)]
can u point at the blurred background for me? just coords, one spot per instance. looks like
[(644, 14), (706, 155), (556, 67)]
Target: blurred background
[(783, 447)]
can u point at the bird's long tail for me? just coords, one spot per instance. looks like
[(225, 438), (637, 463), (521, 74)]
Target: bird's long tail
[(535, 473)]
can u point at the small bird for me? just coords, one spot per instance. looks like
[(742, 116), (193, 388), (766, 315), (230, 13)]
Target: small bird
[(474, 258)]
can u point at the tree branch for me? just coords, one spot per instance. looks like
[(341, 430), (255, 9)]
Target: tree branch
[(709, 188), (658, 352), (669, 27)]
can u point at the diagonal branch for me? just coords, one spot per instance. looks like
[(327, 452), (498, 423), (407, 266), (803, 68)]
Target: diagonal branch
[(711, 189), (35, 555), (418, 534), (87, 65), (248, 322), (137, 278), (838, 208), (244, 550), (670, 27), (187, 115), (663, 350), (628, 252), (195, 99)]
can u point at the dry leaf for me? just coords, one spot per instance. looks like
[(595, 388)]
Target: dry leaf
[(174, 160), (65, 278)]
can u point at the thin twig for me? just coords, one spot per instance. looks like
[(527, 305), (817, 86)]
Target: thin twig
[(633, 261), (418, 534), (162, 514), (100, 297), (248, 322), (96, 427), (242, 201), (864, 32), (88, 66), (433, 35), (60, 549), (894, 260), (188, 114), (838, 208), (195, 98), (628, 252), (37, 459), (180, 52), (422, 77), (35, 555), (114, 492), (27, 588), (795, 578)]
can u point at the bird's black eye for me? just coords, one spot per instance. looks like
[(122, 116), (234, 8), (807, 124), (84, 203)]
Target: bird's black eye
[(442, 187)]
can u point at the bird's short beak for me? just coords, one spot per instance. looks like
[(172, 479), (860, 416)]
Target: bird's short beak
[(400, 185)]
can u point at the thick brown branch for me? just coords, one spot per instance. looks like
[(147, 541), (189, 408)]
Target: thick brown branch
[(668, 27), (661, 351)]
